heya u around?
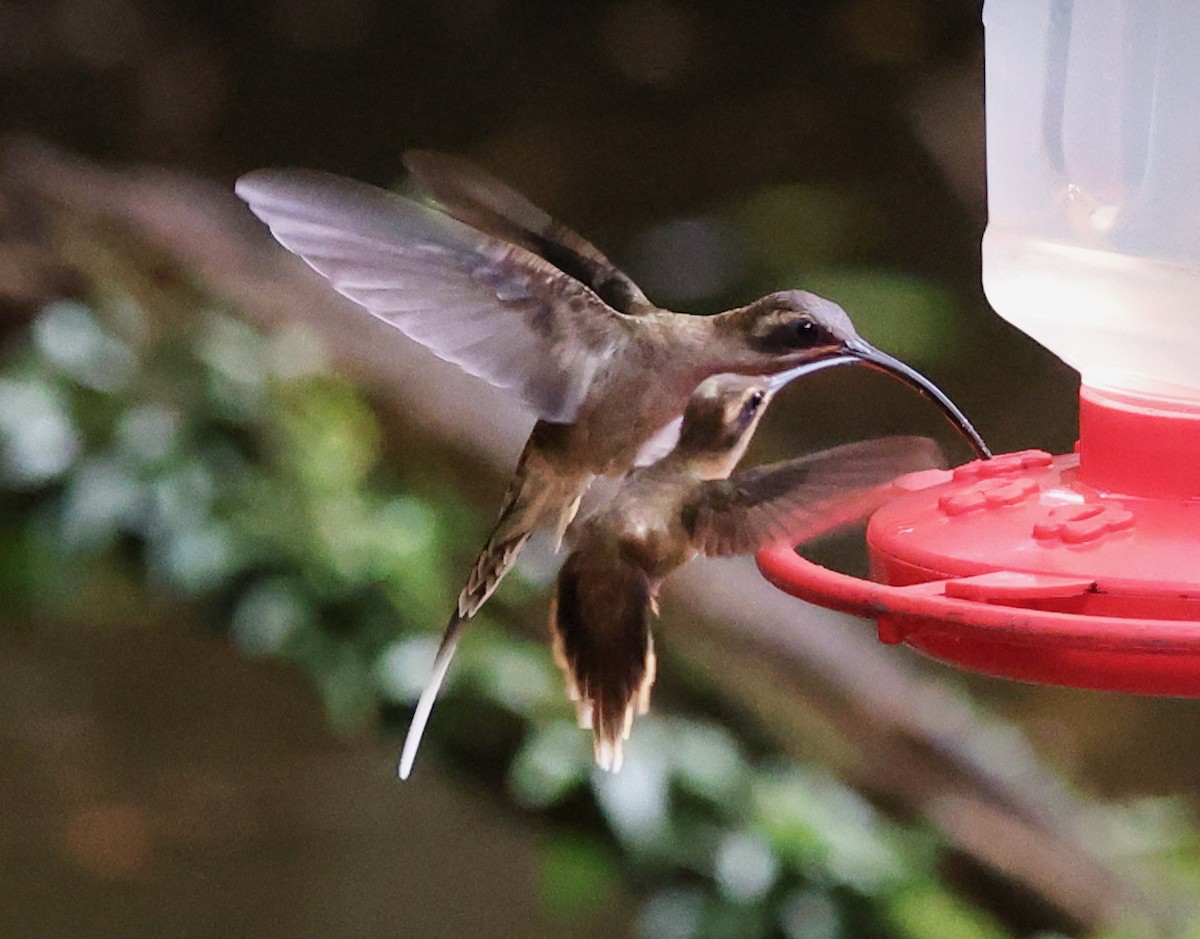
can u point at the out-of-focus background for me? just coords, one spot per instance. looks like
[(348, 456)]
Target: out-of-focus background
[(234, 511)]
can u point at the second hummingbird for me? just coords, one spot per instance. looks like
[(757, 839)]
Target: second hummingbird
[(687, 504), (492, 283)]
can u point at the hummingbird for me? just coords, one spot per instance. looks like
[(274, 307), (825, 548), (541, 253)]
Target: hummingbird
[(487, 280), (686, 504)]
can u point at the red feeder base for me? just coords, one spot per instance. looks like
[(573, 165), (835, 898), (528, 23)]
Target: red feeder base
[(1079, 570)]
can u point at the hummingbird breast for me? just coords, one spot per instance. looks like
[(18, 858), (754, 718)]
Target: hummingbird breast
[(644, 522), (644, 385)]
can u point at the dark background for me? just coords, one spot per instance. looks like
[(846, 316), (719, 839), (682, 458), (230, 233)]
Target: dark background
[(157, 782)]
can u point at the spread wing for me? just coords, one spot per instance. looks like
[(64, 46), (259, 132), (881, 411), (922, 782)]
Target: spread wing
[(789, 500), (483, 202), (599, 619), (493, 308)]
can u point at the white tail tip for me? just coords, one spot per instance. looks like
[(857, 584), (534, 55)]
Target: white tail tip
[(416, 729)]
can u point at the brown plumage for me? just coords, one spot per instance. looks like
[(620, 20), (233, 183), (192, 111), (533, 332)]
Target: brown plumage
[(490, 282), (688, 504)]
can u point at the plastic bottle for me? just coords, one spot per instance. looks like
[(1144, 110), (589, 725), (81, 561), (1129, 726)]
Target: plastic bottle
[(1093, 148)]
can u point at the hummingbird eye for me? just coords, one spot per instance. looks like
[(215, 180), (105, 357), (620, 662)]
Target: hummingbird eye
[(752, 404), (798, 332), (802, 330)]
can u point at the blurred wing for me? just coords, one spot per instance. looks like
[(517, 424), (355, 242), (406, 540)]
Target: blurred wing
[(789, 500), (482, 201), (599, 618), (492, 308)]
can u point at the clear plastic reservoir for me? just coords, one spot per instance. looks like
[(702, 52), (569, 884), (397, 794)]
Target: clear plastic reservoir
[(1093, 152)]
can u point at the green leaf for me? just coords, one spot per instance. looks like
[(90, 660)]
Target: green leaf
[(576, 876), (929, 912)]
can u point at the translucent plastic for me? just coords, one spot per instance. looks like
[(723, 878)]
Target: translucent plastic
[(1093, 148)]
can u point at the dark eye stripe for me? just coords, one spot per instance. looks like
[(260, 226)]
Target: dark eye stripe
[(791, 335)]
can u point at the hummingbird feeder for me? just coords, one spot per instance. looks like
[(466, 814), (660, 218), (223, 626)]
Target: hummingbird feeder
[(1080, 569)]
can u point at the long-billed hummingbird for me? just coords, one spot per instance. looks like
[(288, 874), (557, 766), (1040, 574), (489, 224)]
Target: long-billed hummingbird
[(487, 280), (686, 504)]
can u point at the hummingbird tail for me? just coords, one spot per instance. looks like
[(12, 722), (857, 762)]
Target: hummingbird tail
[(441, 664), (539, 495), (494, 561), (536, 495), (600, 626)]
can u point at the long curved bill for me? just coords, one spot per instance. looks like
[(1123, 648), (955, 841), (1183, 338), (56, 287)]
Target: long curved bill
[(863, 353), (779, 379)]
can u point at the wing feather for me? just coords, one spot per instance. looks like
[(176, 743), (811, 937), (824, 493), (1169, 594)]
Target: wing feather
[(494, 308), (789, 500), (480, 200)]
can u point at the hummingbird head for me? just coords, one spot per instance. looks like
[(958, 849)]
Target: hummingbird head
[(808, 333), (795, 326), (720, 419)]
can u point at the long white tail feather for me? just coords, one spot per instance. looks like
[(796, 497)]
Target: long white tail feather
[(441, 664)]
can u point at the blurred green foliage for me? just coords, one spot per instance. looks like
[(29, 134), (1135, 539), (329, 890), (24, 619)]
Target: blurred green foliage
[(212, 465), (206, 464)]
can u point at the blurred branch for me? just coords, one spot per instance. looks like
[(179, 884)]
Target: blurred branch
[(815, 681)]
